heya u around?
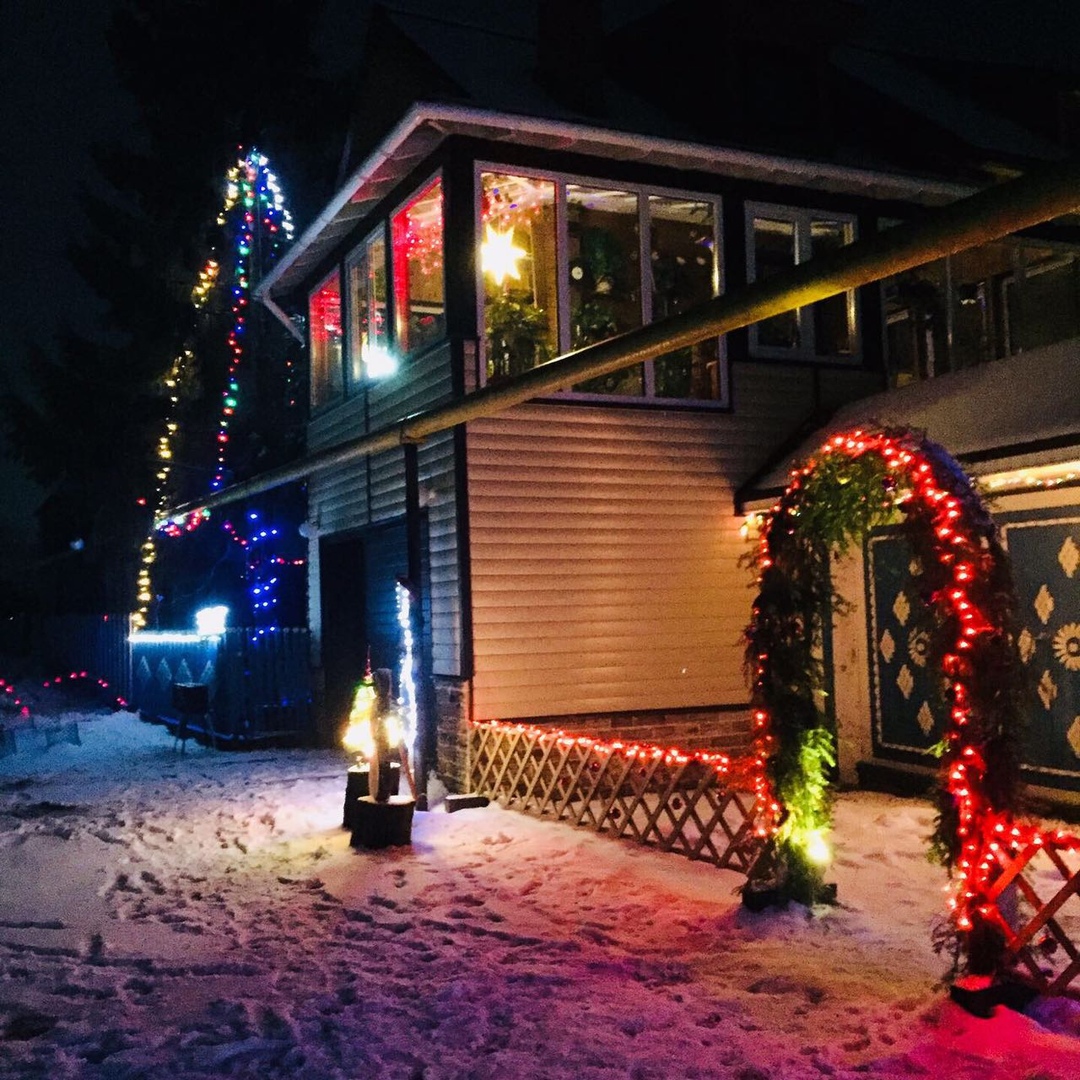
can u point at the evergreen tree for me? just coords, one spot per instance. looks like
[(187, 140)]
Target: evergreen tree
[(206, 76)]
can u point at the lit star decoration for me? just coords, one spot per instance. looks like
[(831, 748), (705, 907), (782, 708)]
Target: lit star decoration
[(499, 255)]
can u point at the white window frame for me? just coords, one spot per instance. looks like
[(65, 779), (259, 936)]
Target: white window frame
[(354, 257), (802, 218), (562, 268)]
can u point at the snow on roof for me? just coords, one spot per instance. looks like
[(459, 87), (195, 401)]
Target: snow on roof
[(1016, 413)]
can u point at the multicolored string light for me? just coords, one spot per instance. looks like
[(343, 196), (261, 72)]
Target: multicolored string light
[(262, 570), (263, 226)]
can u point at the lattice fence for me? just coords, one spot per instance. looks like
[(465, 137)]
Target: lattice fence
[(699, 805), (1035, 901)]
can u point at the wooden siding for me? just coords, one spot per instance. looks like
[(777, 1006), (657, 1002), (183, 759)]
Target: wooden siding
[(603, 563), (605, 549), (368, 491), (438, 495)]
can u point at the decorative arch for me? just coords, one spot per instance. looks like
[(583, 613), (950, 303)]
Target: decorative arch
[(857, 481)]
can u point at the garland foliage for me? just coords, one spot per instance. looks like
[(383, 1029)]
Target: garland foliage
[(859, 482)]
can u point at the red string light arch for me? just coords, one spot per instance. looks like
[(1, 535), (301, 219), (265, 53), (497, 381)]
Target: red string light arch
[(968, 588)]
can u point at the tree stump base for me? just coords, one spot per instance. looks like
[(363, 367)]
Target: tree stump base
[(382, 824), (358, 784)]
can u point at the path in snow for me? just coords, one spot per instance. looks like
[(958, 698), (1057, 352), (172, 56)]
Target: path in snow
[(202, 915)]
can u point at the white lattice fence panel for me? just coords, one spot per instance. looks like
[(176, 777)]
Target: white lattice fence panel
[(1035, 901), (699, 806)]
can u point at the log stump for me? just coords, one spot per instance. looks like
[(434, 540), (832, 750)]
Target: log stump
[(357, 785), (382, 824)]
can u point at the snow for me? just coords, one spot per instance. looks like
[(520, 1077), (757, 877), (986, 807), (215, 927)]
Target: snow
[(202, 914)]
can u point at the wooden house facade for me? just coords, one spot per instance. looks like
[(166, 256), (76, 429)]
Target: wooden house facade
[(533, 182), (579, 557)]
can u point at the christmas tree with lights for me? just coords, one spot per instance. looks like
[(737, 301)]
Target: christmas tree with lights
[(256, 421)]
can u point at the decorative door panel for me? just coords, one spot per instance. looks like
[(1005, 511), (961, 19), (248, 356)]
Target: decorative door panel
[(1045, 556), (908, 714)]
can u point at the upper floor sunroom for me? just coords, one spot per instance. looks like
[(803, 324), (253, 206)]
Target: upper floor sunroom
[(523, 239)]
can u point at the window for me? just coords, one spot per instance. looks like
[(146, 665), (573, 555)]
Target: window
[(780, 238), (324, 328), (369, 330), (980, 305), (683, 274), (565, 264), (605, 277), (518, 263), (416, 233)]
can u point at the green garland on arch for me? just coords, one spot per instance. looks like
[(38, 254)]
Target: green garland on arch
[(856, 483)]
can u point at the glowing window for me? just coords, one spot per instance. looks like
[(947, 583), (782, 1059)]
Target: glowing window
[(324, 328)]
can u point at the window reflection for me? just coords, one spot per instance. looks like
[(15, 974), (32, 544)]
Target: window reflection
[(368, 329), (605, 276), (833, 318), (419, 298), (774, 252), (324, 328), (682, 272), (518, 261)]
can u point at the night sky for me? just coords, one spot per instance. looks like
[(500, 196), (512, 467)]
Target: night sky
[(57, 97)]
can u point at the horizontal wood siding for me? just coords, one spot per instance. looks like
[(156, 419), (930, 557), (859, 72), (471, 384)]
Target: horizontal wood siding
[(603, 563), (438, 495), (605, 549), (368, 491)]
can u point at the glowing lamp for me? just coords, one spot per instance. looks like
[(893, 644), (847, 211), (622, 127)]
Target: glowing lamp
[(817, 850), (210, 621), (358, 738), (379, 361)]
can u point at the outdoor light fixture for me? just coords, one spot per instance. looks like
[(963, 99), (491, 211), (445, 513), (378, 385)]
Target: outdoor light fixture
[(209, 625), (210, 621), (379, 361)]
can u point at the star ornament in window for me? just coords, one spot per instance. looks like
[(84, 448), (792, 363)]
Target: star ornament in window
[(499, 255)]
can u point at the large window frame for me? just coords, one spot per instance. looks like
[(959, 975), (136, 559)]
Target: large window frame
[(803, 220), (351, 373), (357, 359), (926, 337), (562, 181), (396, 264)]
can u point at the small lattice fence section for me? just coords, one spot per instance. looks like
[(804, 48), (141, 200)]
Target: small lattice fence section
[(701, 805), (1034, 899)]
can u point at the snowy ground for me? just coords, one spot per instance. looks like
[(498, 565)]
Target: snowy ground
[(203, 915)]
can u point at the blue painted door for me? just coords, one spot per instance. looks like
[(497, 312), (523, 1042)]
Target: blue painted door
[(1045, 555), (906, 701), (908, 714)]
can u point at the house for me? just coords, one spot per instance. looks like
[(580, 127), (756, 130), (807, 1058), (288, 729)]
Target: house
[(578, 559)]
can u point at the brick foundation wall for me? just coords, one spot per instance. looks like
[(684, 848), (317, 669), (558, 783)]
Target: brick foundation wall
[(688, 729)]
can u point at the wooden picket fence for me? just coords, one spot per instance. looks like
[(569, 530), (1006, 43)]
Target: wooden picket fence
[(1035, 902), (699, 805)]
